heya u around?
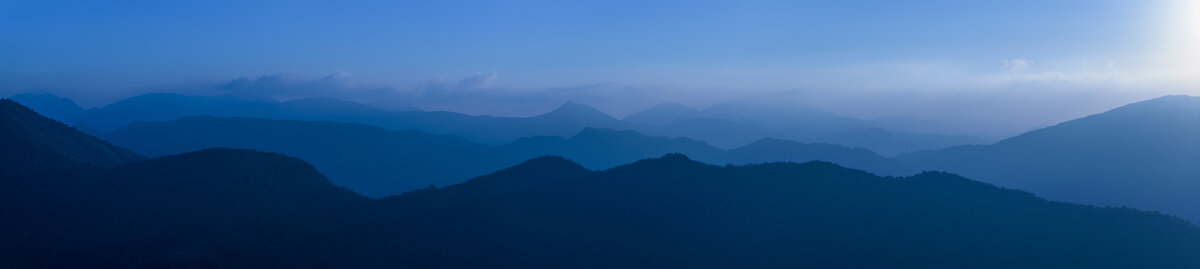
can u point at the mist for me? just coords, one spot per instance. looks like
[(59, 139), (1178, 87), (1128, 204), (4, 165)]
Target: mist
[(960, 68), (600, 134)]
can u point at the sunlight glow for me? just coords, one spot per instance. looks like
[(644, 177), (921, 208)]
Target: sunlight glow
[(1178, 53), (1187, 31)]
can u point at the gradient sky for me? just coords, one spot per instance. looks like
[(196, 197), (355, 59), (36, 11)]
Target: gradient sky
[(982, 67)]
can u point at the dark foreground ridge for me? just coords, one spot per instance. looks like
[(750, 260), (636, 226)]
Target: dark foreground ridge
[(225, 208)]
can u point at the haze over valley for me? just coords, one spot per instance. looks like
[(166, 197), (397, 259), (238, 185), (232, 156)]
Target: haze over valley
[(600, 134)]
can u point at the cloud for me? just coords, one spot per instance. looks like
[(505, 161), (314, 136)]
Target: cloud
[(478, 80), (972, 97), (616, 99), (445, 88), (1015, 65), (291, 85)]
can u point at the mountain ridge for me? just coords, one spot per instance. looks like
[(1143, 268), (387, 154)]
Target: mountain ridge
[(24, 128), (1142, 155), (714, 125), (369, 159), (233, 208)]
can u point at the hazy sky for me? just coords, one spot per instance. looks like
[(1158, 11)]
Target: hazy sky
[(976, 66)]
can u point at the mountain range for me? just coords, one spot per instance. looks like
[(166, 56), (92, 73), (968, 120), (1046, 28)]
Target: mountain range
[(716, 125), (1144, 155), (738, 123), (228, 208), (1141, 155), (377, 162)]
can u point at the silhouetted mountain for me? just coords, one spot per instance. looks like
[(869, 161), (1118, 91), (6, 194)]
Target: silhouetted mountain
[(606, 148), (368, 159), (52, 106), (783, 115), (673, 212), (564, 121), (567, 120), (214, 208), (572, 111), (167, 106), (30, 140), (1144, 155), (223, 208), (891, 143), (377, 162), (725, 125), (316, 107), (776, 150), (163, 107), (662, 114), (533, 173), (738, 123)]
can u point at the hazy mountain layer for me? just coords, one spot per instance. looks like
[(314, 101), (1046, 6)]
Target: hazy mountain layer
[(738, 123), (377, 162), (1144, 155), (726, 125), (227, 208), (29, 138)]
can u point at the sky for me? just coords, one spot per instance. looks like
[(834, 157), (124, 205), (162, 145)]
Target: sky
[(973, 67)]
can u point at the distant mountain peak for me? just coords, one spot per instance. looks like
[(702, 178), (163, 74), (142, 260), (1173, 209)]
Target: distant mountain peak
[(675, 157), (591, 132), (572, 106), (327, 104), (662, 113), (1169, 100), (672, 106), (669, 159), (1177, 97), (782, 143), (266, 168), (550, 160), (573, 110), (772, 141), (30, 137), (20, 98), (544, 166), (1182, 110), (52, 106)]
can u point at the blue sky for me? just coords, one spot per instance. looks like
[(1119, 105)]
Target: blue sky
[(871, 59)]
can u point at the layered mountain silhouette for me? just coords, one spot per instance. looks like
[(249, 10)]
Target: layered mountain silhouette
[(604, 148), (1105, 159), (52, 106), (727, 125), (227, 208), (1144, 155), (164, 107), (377, 162), (365, 158), (738, 123), (31, 140), (675, 212), (70, 200), (567, 120), (214, 208), (662, 114)]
